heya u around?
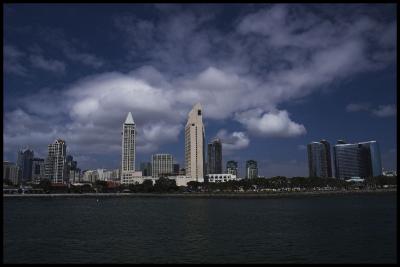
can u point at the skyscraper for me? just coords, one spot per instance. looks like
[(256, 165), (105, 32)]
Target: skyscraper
[(214, 163), (194, 144), (176, 169), (38, 169), (357, 160), (72, 170), (10, 172), (251, 169), (319, 164), (128, 147), (232, 167), (328, 156), (145, 167), (161, 165), (55, 166), (24, 163)]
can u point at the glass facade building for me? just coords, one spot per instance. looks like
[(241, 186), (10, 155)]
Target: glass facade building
[(319, 159), (38, 169), (145, 167), (214, 163), (251, 169), (232, 167), (24, 162), (357, 160)]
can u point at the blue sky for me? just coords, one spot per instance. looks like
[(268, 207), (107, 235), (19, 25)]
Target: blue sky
[(271, 78)]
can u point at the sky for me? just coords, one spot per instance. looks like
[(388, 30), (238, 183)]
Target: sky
[(271, 78)]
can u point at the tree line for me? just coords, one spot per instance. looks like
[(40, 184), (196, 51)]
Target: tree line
[(165, 185)]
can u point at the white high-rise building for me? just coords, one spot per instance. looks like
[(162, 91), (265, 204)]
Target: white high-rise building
[(56, 162), (128, 149), (194, 144)]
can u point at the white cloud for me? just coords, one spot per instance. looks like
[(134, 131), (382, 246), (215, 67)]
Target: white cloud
[(85, 58), (13, 61), (273, 124), (354, 107), (385, 111), (233, 141), (301, 147), (52, 65), (275, 55)]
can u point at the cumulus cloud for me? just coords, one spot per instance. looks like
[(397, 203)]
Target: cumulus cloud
[(380, 111), (13, 60), (233, 141), (354, 107), (301, 147), (385, 111), (275, 55), (51, 65), (70, 47), (84, 58), (273, 124)]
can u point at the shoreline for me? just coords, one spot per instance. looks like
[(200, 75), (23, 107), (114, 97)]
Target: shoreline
[(208, 195)]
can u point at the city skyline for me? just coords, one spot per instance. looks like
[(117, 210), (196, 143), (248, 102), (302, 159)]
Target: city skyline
[(266, 92)]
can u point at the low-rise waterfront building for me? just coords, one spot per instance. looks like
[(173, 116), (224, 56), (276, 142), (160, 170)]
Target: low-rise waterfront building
[(218, 178), (389, 173), (129, 177)]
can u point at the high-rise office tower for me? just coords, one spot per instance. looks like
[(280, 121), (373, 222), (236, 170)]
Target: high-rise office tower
[(214, 163), (24, 163), (128, 146), (194, 144), (357, 160), (145, 167), (319, 160), (38, 169), (232, 167), (176, 169), (10, 172), (328, 156), (72, 170), (55, 166), (251, 169), (161, 165)]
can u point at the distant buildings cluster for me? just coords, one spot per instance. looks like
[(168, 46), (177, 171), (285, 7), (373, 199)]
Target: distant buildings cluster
[(197, 167), (350, 161), (358, 160), (57, 167)]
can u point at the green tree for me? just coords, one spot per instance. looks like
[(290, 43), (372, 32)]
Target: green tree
[(147, 186), (45, 184), (101, 186), (165, 185)]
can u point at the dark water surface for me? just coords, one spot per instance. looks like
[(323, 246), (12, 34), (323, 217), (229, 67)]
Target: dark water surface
[(322, 229)]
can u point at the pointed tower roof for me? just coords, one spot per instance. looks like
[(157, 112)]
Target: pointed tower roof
[(129, 119)]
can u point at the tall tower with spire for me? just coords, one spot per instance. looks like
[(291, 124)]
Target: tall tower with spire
[(194, 144), (128, 146)]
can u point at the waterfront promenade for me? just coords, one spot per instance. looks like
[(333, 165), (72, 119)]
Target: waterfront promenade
[(213, 195)]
